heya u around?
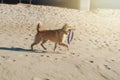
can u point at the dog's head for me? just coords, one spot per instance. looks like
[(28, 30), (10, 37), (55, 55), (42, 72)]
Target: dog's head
[(67, 27)]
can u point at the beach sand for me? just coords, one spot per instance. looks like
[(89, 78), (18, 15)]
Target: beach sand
[(94, 52)]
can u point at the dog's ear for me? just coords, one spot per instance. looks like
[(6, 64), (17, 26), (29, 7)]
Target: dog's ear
[(65, 26)]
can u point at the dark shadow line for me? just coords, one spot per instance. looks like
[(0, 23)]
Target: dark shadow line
[(21, 50)]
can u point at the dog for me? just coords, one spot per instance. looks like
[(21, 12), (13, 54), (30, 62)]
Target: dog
[(57, 36)]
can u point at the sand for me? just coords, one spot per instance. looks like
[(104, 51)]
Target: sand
[(94, 52)]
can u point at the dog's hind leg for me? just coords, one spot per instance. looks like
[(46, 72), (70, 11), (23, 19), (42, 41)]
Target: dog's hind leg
[(44, 41), (35, 42), (55, 46)]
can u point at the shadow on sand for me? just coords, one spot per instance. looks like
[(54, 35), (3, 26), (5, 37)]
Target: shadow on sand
[(21, 50)]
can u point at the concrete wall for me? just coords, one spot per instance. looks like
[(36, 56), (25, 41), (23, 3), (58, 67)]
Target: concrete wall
[(75, 4), (62, 3), (82, 4)]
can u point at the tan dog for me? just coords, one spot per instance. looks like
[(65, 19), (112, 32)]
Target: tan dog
[(57, 36)]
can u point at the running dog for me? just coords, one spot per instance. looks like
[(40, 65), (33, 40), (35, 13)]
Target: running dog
[(57, 36)]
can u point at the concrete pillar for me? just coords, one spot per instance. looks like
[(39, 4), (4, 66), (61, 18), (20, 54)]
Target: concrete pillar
[(84, 5)]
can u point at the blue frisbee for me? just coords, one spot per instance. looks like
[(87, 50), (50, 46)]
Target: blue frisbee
[(70, 36)]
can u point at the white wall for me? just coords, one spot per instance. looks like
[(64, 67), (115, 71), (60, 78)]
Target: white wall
[(105, 4)]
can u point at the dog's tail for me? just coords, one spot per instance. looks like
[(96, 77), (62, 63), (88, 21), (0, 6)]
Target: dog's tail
[(39, 27)]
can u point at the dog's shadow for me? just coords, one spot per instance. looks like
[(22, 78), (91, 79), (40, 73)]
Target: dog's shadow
[(21, 50)]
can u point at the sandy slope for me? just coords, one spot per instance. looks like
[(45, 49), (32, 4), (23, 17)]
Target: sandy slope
[(94, 53)]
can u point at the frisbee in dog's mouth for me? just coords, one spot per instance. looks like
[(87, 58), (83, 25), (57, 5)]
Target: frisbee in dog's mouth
[(70, 36)]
